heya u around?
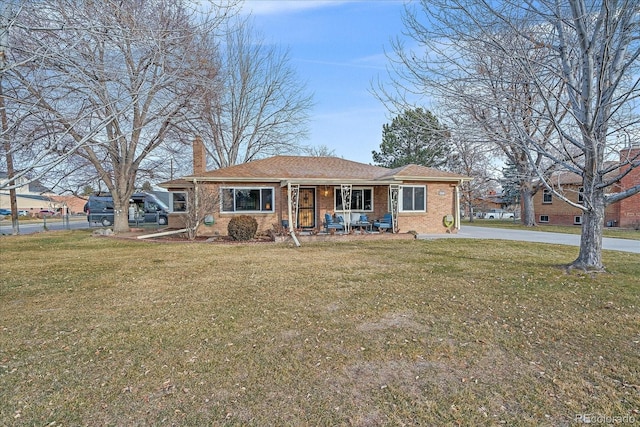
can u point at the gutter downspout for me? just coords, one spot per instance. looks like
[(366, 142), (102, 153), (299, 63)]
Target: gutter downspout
[(195, 194), (163, 233), (195, 207)]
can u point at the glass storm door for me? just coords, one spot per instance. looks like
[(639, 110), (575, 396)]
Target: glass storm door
[(307, 208)]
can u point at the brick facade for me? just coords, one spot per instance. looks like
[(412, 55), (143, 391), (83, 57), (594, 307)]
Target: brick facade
[(318, 179), (440, 202), (629, 209), (625, 213)]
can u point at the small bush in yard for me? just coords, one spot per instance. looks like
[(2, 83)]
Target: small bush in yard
[(242, 227)]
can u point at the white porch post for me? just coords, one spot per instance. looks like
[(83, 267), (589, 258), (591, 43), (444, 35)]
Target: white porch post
[(292, 209), (393, 200), (345, 189)]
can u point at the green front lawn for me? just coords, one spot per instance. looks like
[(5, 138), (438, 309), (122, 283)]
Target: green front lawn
[(108, 331)]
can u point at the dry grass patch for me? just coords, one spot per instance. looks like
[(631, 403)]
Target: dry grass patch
[(98, 331)]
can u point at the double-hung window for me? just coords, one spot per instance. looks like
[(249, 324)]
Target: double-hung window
[(361, 199), (245, 199), (413, 198), (178, 201), (547, 196)]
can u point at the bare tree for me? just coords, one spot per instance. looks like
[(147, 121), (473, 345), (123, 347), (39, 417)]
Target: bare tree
[(202, 203), (320, 151), (116, 78), (26, 130), (510, 112), (475, 82), (471, 157), (577, 96), (262, 108)]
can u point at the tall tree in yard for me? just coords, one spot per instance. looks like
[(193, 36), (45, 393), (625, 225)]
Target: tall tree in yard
[(415, 136), (116, 78), (470, 157), (581, 94), (262, 108)]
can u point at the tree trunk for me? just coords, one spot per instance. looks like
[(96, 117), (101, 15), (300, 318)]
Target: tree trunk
[(590, 256), (120, 216), (528, 214), (9, 159)]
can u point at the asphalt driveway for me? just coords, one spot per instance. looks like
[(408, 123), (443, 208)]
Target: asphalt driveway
[(473, 232)]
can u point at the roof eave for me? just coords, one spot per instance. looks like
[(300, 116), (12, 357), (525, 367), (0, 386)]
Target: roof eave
[(313, 181), (432, 179), (332, 181)]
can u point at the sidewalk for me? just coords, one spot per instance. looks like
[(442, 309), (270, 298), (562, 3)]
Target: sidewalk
[(473, 232)]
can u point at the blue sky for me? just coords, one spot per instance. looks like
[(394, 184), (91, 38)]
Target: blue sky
[(337, 48)]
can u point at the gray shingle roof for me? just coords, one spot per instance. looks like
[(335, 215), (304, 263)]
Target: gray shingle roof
[(285, 168)]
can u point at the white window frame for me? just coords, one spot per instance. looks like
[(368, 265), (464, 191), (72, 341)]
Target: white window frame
[(172, 199), (240, 212), (577, 220), (547, 193), (544, 216), (337, 190), (401, 198)]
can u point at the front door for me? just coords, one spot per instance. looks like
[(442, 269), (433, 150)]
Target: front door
[(307, 208)]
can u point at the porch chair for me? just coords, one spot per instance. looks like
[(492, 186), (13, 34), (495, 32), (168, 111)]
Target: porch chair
[(385, 223), (329, 223)]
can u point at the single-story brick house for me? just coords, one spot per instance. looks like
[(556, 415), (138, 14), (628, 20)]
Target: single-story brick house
[(276, 189)]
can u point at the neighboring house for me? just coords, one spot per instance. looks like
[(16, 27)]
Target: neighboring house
[(272, 190), (73, 204), (491, 201), (23, 186), (34, 197), (551, 210), (31, 203), (29, 195)]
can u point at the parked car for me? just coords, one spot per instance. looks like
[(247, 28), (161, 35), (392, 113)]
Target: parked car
[(46, 212), (143, 207), (23, 212), (5, 212), (498, 214)]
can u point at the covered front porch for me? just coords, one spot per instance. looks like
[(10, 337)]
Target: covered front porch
[(333, 207), (338, 207)]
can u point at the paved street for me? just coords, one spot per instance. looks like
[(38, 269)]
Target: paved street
[(473, 232), (37, 225), (56, 223)]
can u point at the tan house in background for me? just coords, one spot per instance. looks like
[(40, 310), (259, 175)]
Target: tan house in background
[(299, 191), (32, 197)]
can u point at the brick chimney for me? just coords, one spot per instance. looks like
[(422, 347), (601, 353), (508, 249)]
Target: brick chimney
[(199, 156)]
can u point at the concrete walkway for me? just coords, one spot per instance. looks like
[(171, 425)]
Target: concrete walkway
[(473, 232)]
